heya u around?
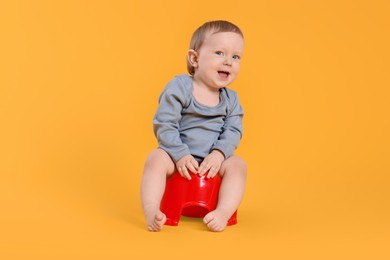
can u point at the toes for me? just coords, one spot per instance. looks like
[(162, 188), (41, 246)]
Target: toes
[(156, 227), (213, 225), (151, 229), (208, 218), (158, 222), (214, 222)]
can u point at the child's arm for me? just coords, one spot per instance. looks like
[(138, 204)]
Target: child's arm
[(166, 121), (166, 127)]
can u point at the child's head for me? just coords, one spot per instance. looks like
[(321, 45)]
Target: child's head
[(212, 27)]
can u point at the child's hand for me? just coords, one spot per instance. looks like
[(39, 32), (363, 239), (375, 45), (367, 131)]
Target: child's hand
[(186, 163), (212, 164)]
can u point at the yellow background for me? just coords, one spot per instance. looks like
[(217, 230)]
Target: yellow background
[(79, 83)]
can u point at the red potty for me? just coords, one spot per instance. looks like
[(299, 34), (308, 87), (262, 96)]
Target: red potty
[(191, 198)]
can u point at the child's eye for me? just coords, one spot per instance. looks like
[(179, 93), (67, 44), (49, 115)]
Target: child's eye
[(220, 53), (236, 57)]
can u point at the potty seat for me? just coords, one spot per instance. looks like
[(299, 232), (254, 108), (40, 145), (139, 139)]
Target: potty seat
[(191, 198)]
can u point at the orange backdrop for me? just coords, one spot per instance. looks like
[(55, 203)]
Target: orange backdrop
[(79, 83)]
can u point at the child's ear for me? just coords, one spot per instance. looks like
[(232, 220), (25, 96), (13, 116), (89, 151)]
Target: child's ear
[(192, 57)]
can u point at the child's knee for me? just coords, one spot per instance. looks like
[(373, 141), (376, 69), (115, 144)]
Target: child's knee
[(240, 163), (235, 164), (159, 158)]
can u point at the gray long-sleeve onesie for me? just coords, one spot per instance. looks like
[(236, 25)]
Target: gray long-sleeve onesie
[(184, 126)]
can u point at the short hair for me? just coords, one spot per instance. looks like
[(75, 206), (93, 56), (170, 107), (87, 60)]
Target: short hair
[(199, 35)]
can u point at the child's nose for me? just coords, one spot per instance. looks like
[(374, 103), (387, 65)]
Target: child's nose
[(228, 61)]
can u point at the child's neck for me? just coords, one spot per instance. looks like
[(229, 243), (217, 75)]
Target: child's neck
[(205, 95)]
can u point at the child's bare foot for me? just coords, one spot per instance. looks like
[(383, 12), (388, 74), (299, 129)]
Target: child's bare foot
[(155, 220), (216, 220)]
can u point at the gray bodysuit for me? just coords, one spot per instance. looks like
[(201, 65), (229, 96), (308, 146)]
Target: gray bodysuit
[(183, 126)]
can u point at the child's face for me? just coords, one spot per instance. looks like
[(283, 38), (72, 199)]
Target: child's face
[(218, 60)]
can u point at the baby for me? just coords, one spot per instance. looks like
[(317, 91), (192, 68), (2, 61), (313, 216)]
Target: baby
[(198, 125)]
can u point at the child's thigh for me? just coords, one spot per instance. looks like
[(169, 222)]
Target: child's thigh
[(233, 164), (160, 159)]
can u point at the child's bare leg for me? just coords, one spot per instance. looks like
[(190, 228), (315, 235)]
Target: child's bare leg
[(157, 167), (233, 172)]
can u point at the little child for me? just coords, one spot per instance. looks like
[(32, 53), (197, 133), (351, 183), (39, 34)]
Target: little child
[(198, 125)]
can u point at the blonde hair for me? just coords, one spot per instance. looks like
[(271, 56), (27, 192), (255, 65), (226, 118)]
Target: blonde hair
[(199, 35)]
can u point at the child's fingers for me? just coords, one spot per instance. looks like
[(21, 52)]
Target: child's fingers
[(195, 163), (191, 168), (212, 172), (204, 167), (184, 172)]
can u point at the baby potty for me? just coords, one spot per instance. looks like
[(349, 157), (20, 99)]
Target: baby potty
[(191, 198)]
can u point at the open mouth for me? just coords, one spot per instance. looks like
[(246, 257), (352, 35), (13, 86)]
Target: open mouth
[(223, 74)]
